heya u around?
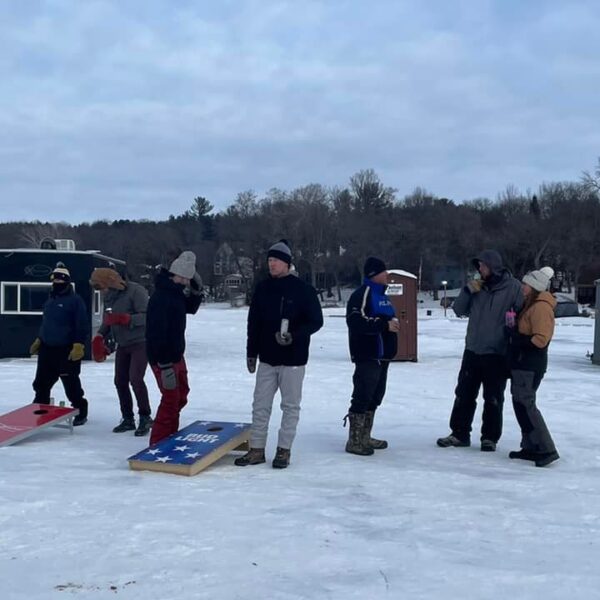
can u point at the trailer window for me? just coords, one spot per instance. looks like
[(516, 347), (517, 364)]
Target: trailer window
[(32, 297), (23, 298), (10, 297), (98, 305)]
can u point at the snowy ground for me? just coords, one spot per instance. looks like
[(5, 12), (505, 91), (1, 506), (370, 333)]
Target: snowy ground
[(414, 521)]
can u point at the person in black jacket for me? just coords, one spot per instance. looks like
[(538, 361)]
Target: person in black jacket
[(61, 344), (372, 330), (177, 293), (283, 314)]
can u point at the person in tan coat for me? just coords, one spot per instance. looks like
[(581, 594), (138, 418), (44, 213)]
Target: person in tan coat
[(528, 360)]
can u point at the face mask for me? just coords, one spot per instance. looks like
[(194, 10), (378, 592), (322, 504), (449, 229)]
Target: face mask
[(60, 286)]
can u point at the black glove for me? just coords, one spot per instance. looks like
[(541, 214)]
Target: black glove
[(283, 339), (168, 378), (519, 340), (251, 364)]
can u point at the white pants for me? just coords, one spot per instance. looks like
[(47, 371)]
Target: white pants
[(268, 380)]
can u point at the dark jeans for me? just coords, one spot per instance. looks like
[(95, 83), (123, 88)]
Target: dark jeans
[(130, 368), (369, 379), (52, 365), (476, 370), (171, 403)]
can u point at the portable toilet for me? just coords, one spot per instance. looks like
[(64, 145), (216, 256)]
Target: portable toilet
[(402, 292)]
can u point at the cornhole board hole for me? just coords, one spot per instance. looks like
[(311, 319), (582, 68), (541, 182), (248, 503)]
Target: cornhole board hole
[(192, 448), (29, 420)]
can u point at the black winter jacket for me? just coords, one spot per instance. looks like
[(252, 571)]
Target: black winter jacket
[(166, 319), (282, 298), (369, 336)]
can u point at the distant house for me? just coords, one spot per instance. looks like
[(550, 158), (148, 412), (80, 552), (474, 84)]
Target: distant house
[(454, 275), (25, 284)]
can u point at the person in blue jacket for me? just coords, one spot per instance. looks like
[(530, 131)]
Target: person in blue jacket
[(372, 330), (60, 345)]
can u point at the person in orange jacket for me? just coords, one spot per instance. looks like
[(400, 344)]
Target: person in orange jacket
[(528, 360)]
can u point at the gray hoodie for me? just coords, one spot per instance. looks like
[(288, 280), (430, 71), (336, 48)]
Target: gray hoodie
[(487, 308), (133, 300)]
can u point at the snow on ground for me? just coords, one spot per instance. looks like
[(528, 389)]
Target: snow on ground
[(414, 521)]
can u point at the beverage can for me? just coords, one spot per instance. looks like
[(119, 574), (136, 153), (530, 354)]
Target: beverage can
[(510, 318)]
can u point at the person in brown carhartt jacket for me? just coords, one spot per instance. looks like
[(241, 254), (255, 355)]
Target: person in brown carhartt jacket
[(528, 359), (125, 304)]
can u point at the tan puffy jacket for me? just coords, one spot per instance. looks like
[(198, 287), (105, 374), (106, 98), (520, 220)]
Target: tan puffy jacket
[(538, 320)]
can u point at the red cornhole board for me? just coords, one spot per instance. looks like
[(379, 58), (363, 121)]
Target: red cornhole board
[(192, 448), (28, 420)]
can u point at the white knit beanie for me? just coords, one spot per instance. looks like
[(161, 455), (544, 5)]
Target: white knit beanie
[(539, 280), (184, 265)]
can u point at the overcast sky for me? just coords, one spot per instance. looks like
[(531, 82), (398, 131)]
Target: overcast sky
[(130, 109)]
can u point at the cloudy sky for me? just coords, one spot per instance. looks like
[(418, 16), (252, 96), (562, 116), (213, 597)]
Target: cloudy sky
[(130, 109)]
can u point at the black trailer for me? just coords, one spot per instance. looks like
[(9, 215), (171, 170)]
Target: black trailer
[(24, 287)]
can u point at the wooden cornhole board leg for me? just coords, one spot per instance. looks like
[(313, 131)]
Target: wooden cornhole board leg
[(29, 420), (193, 448)]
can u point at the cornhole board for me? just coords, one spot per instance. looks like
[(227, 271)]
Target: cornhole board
[(192, 448), (29, 420)]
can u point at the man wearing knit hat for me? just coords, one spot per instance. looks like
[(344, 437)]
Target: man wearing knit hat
[(61, 344), (177, 293), (125, 304), (372, 331), (487, 301), (283, 314)]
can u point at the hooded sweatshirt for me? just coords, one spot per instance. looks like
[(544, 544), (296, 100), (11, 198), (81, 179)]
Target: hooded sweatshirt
[(487, 308), (535, 328)]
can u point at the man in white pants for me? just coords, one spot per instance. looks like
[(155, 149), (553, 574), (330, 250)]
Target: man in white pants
[(284, 313)]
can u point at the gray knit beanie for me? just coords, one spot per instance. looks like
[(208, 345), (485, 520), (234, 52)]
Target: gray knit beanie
[(281, 250), (184, 265)]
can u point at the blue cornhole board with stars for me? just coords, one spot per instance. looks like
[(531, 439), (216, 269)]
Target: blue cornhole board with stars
[(192, 448)]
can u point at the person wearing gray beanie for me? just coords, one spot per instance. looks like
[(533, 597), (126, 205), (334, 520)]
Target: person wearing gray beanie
[(528, 361), (283, 315), (177, 293)]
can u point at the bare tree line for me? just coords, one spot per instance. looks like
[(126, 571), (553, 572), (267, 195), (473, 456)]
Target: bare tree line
[(333, 230)]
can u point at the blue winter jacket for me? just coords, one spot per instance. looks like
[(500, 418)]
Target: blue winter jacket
[(65, 320), (367, 315)]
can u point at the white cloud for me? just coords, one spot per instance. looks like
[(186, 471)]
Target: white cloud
[(129, 110)]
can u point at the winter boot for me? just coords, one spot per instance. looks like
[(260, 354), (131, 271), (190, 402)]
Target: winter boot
[(125, 425), (523, 455), (81, 418), (452, 440), (254, 456), (144, 425), (488, 446), (282, 458), (546, 458), (374, 442), (358, 436)]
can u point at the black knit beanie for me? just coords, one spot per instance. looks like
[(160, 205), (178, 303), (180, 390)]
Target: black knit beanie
[(373, 266)]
